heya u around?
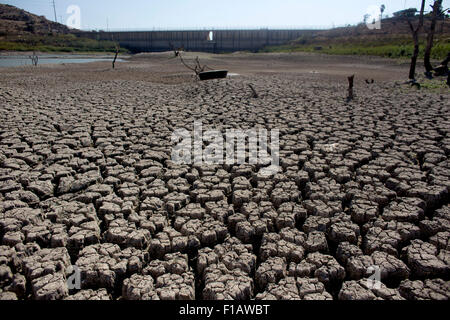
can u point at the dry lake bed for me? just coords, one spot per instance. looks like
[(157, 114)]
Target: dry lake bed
[(93, 207)]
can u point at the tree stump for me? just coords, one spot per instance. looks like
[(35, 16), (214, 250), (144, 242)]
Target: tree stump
[(350, 87)]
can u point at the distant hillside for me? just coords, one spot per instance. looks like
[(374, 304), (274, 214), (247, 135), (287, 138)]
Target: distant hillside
[(15, 21), (393, 40), (24, 31), (391, 28)]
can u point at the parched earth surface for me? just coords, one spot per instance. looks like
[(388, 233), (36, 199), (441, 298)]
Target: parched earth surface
[(87, 183)]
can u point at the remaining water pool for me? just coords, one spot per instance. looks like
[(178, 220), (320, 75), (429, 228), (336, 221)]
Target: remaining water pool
[(15, 61)]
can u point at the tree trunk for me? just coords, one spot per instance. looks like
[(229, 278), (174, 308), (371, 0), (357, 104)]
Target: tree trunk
[(412, 68), (430, 36), (415, 33)]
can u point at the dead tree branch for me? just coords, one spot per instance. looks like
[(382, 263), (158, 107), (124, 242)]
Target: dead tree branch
[(446, 60), (442, 69), (197, 68), (188, 66), (254, 93), (115, 56)]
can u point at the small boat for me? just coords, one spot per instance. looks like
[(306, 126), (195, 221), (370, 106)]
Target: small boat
[(213, 74)]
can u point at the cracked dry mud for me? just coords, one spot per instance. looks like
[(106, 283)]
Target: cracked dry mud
[(86, 179)]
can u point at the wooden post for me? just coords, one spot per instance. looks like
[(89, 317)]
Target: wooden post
[(350, 87)]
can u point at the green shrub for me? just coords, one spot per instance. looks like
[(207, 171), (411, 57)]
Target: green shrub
[(59, 43)]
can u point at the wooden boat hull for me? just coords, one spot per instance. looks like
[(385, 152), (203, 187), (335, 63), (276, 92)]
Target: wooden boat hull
[(214, 74)]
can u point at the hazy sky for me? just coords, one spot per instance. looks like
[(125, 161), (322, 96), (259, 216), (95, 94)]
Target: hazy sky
[(204, 14)]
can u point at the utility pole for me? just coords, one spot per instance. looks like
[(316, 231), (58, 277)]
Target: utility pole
[(54, 10)]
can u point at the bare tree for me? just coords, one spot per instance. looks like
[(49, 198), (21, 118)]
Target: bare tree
[(197, 68), (437, 12), (415, 34), (115, 56)]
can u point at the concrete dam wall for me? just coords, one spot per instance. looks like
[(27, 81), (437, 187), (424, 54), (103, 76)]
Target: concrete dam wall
[(203, 41)]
